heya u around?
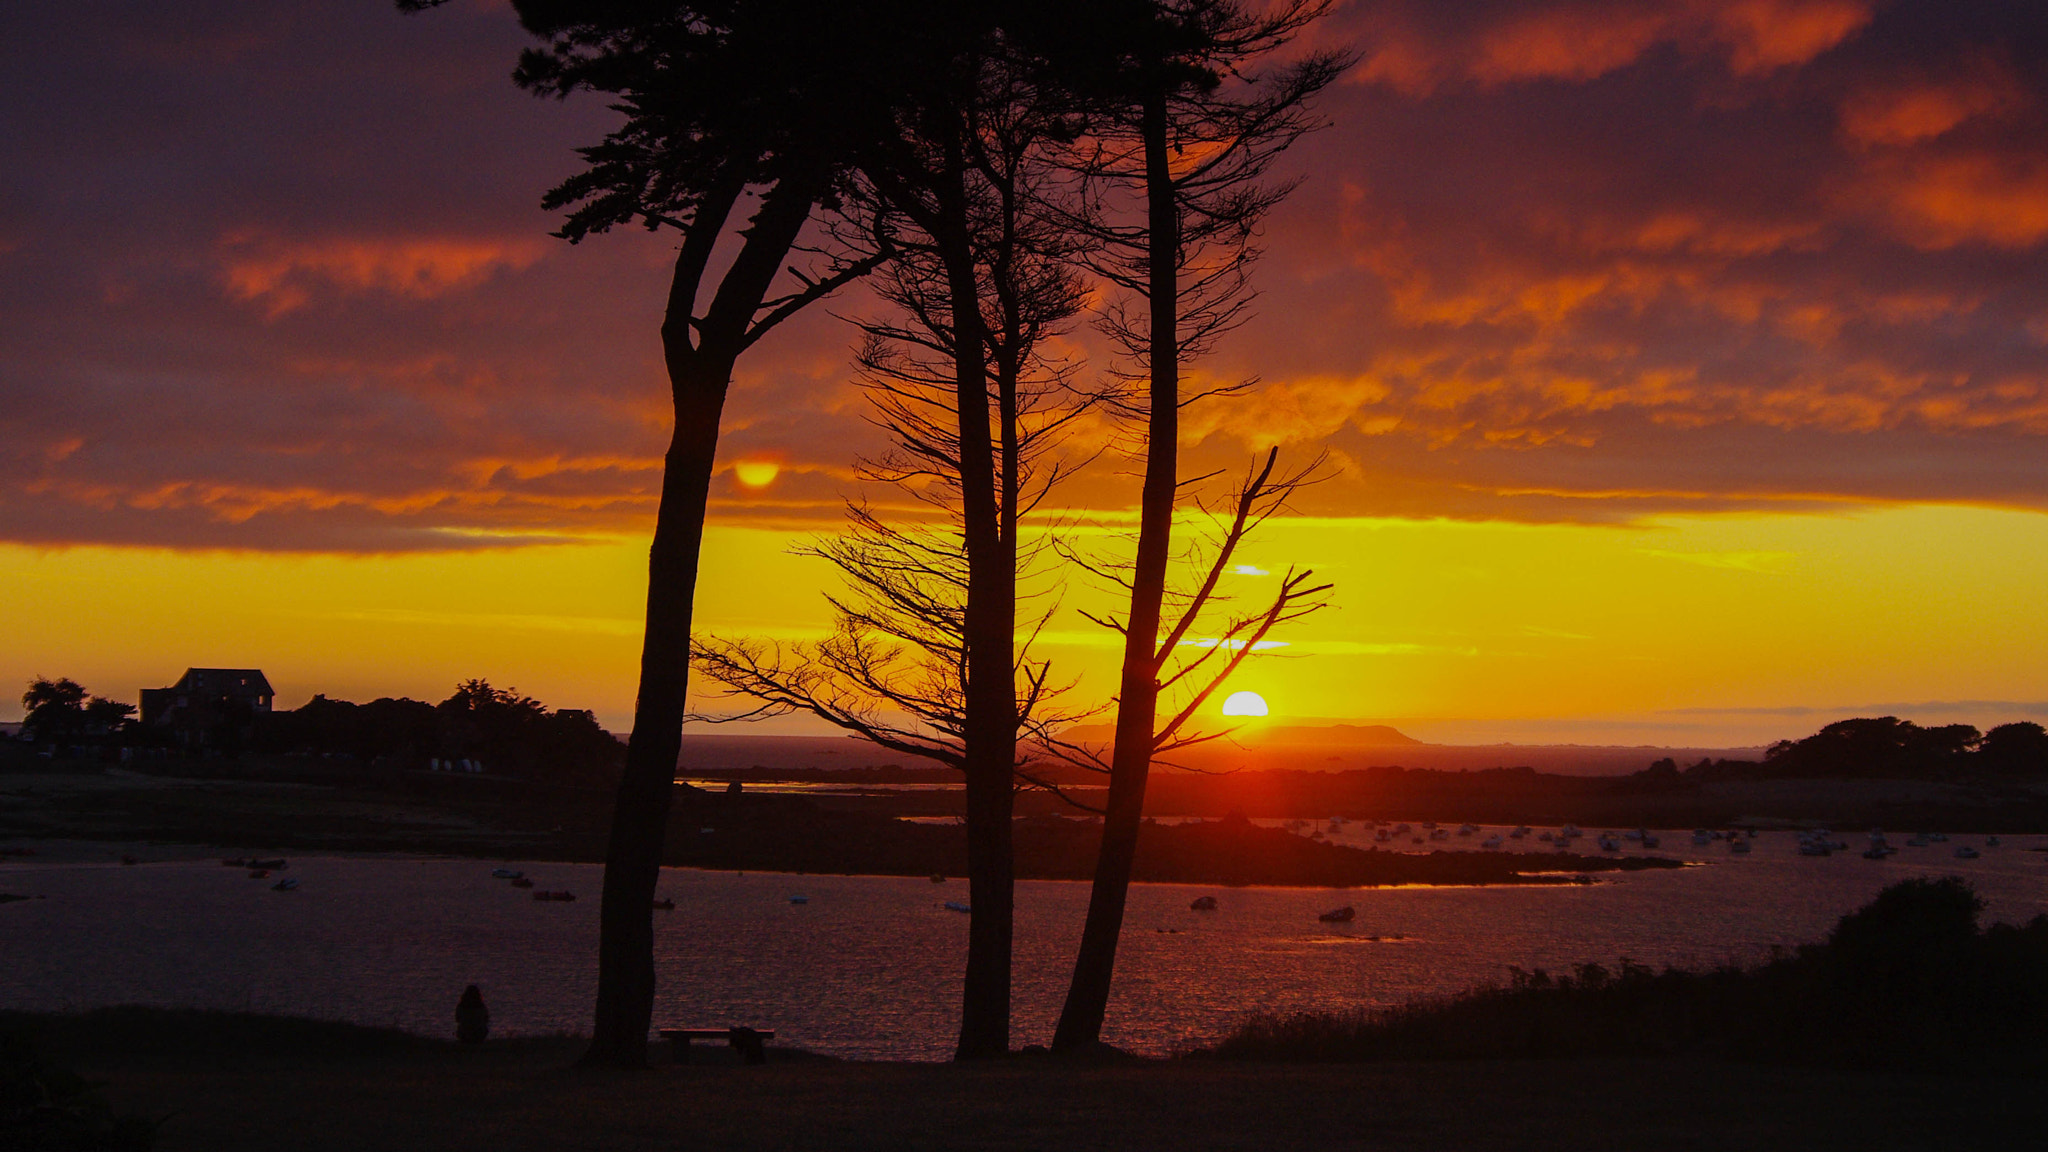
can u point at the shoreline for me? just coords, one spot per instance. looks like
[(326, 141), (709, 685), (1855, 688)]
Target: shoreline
[(712, 831)]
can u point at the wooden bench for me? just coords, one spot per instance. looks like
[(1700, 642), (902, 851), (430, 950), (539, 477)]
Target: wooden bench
[(750, 1043)]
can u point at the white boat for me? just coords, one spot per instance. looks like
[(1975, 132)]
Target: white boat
[(1467, 829), (290, 885), (1965, 852), (956, 906), (1608, 843), (1493, 841), (507, 873), (1815, 848)]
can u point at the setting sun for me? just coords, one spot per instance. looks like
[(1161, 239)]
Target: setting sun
[(756, 473), (1245, 704)]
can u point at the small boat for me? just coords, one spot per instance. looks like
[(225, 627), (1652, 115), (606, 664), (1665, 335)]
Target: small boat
[(664, 905), (1493, 841), (130, 860), (1608, 843), (956, 906), (1815, 848), (1701, 837), (1650, 840), (1381, 835), (1918, 840), (288, 884), (1739, 847), (507, 874), (559, 897), (1467, 829), (522, 882), (1440, 834), (1938, 837), (1545, 837), (938, 877), (274, 865), (237, 862), (1965, 852), (1519, 832), (1203, 904), (1634, 834), (1344, 915), (1991, 842), (1570, 832), (799, 899)]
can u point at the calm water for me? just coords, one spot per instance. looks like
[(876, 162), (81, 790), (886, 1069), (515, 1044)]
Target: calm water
[(870, 966)]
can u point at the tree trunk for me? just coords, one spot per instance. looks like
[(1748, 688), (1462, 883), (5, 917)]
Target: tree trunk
[(700, 358), (990, 730), (632, 869), (1080, 1024)]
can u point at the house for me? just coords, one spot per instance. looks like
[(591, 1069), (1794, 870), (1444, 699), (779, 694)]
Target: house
[(208, 704)]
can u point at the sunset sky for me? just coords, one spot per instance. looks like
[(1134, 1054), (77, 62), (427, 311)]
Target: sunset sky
[(1683, 365)]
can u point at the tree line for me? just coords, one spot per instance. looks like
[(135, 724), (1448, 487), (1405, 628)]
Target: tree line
[(508, 733), (1888, 748)]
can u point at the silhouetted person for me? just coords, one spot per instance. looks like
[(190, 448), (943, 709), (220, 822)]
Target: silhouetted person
[(472, 1019)]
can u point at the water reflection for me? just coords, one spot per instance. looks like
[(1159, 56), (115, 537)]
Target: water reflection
[(868, 966)]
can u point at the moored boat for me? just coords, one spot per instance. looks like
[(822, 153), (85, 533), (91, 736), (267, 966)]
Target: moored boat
[(1344, 915), (1203, 904)]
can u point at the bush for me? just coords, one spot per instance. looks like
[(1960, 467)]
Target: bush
[(44, 1108)]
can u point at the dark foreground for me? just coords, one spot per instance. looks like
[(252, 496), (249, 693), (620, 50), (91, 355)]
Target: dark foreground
[(324, 1087)]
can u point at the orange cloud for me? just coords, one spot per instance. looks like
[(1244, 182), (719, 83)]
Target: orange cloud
[(284, 275), (1973, 198), (1416, 51)]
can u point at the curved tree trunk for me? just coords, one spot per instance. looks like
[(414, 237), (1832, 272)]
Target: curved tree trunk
[(625, 958), (700, 355), (1087, 1001)]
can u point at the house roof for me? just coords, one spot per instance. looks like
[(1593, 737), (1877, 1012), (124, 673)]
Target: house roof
[(225, 682)]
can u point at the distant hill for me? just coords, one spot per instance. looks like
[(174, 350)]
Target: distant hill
[(1322, 735)]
